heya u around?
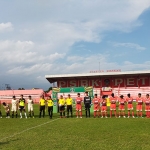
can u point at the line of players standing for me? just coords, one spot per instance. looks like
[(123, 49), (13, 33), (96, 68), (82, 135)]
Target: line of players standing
[(18, 105), (100, 106)]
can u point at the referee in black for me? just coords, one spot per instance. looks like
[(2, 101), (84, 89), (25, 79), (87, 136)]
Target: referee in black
[(87, 104)]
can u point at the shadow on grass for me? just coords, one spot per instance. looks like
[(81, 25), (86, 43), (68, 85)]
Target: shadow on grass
[(3, 143), (7, 142)]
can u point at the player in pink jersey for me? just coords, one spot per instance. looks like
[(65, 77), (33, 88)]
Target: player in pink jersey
[(113, 101), (78, 105), (139, 101), (96, 103), (122, 106), (129, 101), (147, 105), (104, 107)]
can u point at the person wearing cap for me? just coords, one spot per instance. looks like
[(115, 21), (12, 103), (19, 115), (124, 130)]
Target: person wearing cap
[(103, 107), (96, 103), (61, 103), (50, 104), (113, 100), (139, 102), (147, 105), (69, 105), (14, 104), (42, 103), (122, 106), (22, 105), (30, 106), (129, 101), (78, 105), (87, 104)]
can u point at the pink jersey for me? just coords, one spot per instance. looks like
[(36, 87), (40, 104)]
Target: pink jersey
[(113, 100), (122, 101), (147, 101), (129, 100), (96, 101), (78, 100), (139, 100)]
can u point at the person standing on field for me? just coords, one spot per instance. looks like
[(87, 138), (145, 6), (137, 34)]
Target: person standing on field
[(22, 106), (50, 107), (61, 103), (96, 103), (14, 104), (122, 106), (147, 105), (139, 101), (87, 103), (113, 101), (104, 107), (42, 103), (69, 102), (30, 106), (129, 101), (0, 110), (78, 105)]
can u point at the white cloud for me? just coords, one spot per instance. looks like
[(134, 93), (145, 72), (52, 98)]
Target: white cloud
[(130, 45), (40, 44), (6, 27), (24, 52)]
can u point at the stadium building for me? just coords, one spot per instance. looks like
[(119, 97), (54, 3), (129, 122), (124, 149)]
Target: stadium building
[(105, 83)]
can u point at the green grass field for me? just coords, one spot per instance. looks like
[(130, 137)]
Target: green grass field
[(74, 134)]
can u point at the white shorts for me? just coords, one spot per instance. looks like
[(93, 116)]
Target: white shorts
[(30, 107), (14, 108)]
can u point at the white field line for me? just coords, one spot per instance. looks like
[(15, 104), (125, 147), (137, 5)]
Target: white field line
[(28, 129)]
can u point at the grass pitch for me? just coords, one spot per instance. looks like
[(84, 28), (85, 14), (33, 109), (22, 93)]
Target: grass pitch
[(74, 134)]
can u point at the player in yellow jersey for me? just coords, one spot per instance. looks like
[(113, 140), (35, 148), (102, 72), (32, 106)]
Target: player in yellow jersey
[(69, 105), (61, 103), (42, 106), (22, 106), (50, 107)]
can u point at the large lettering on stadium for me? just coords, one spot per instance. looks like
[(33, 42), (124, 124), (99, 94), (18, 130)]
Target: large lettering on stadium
[(107, 82)]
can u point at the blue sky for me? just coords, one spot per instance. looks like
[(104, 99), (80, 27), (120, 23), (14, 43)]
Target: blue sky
[(44, 37)]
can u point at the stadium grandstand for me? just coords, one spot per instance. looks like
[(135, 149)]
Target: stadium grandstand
[(6, 95), (106, 83)]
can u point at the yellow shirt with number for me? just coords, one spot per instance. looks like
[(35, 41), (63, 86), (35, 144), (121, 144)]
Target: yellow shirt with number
[(61, 101), (42, 102), (69, 101), (50, 102)]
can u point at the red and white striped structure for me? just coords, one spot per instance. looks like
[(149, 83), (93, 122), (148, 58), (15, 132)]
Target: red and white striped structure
[(6, 95)]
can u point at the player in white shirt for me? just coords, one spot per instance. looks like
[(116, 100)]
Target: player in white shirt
[(14, 104), (30, 106)]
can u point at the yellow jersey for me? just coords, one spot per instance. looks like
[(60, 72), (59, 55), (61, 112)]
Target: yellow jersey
[(21, 102), (50, 102), (61, 102), (42, 102), (69, 101)]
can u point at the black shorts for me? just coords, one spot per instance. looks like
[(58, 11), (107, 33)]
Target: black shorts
[(42, 108), (21, 108), (50, 108), (62, 108), (69, 107)]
